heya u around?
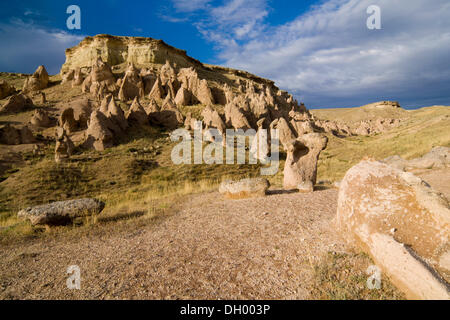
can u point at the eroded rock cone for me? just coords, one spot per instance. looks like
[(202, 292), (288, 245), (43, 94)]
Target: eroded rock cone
[(67, 120), (169, 116), (401, 223), (5, 89), (82, 109), (101, 76), (183, 97), (99, 135), (116, 114), (131, 85), (212, 119), (137, 114), (157, 91), (64, 146), (300, 169), (61, 212), (16, 103), (41, 118), (15, 135), (38, 81), (235, 117)]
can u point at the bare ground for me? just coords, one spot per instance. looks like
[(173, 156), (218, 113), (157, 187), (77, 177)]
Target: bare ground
[(208, 248), (262, 248)]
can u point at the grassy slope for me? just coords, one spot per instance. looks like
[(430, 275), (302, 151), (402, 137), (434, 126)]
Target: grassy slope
[(422, 130)]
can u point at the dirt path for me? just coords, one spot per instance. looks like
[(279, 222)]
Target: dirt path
[(210, 249)]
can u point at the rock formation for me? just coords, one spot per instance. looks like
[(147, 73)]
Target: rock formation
[(64, 146), (438, 157), (41, 118), (16, 103), (5, 89), (15, 135), (402, 223), (132, 85), (142, 52), (212, 119), (99, 134), (61, 212), (67, 120), (100, 80), (300, 169), (137, 114), (38, 81)]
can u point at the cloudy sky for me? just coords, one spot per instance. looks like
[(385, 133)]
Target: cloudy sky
[(319, 50)]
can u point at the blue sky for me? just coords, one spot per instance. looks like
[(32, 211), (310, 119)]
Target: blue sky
[(321, 51)]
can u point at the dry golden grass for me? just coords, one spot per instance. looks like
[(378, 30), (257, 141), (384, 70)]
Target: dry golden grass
[(342, 276), (418, 134)]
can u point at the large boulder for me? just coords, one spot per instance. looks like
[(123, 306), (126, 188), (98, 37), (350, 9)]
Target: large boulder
[(300, 169), (16, 103), (402, 223), (61, 212), (245, 188), (5, 89), (38, 81)]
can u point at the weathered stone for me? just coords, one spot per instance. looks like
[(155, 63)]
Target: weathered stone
[(67, 120), (61, 212), (245, 188), (137, 114), (38, 81), (15, 135), (5, 89), (64, 146), (99, 135), (16, 103), (402, 223), (212, 119), (303, 153), (40, 118)]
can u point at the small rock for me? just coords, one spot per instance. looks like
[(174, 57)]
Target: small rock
[(62, 211)]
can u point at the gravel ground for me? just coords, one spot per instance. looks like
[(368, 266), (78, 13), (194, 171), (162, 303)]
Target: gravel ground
[(211, 248)]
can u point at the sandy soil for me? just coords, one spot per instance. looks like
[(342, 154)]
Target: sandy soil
[(210, 249)]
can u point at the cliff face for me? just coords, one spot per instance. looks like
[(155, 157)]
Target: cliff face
[(116, 50)]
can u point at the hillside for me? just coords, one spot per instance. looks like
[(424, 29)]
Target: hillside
[(101, 129)]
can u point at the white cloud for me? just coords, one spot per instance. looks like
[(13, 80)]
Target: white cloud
[(328, 57), (30, 45), (189, 5)]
